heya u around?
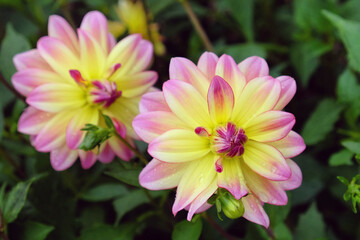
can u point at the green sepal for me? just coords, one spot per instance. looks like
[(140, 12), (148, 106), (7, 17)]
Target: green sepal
[(94, 136), (108, 121), (218, 208)]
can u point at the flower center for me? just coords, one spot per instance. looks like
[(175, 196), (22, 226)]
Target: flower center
[(102, 92), (227, 141)]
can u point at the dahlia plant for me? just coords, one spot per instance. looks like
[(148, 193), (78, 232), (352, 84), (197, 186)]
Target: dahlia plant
[(70, 79), (219, 125)]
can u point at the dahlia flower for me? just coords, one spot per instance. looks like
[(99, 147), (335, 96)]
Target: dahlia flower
[(221, 125), (134, 19), (70, 79)]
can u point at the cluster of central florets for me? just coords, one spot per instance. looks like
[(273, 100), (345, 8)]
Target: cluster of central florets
[(229, 140), (102, 92)]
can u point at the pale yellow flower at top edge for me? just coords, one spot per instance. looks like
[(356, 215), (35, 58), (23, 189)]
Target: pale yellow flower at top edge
[(133, 18)]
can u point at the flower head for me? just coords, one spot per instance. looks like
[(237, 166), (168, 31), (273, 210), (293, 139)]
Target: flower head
[(133, 18), (70, 79), (220, 125)]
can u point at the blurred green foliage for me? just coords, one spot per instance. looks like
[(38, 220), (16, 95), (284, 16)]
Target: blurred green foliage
[(315, 41)]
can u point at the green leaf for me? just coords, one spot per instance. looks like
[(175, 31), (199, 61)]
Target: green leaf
[(313, 180), (307, 191), (308, 16), (36, 230), (255, 231), (352, 113), (6, 96), (282, 232), (305, 58), (350, 35), (16, 198), (15, 201), (12, 44), (321, 121), (23, 23), (312, 219), (347, 88), (128, 176), (342, 157), (351, 9), (132, 200), (352, 146), (102, 231), (52, 200), (104, 192), (241, 51), (186, 230), (243, 12), (277, 214)]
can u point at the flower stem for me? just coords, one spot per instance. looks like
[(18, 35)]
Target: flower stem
[(214, 224), (138, 154), (8, 86), (270, 233), (195, 22)]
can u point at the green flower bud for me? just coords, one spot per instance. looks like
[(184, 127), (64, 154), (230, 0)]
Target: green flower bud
[(231, 207), (94, 137)]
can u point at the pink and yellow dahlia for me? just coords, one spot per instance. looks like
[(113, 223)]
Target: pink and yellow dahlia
[(221, 125), (70, 79)]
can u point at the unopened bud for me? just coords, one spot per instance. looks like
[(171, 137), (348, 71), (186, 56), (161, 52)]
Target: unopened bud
[(94, 137), (230, 206)]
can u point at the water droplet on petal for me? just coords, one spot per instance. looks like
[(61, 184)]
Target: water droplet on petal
[(201, 178)]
